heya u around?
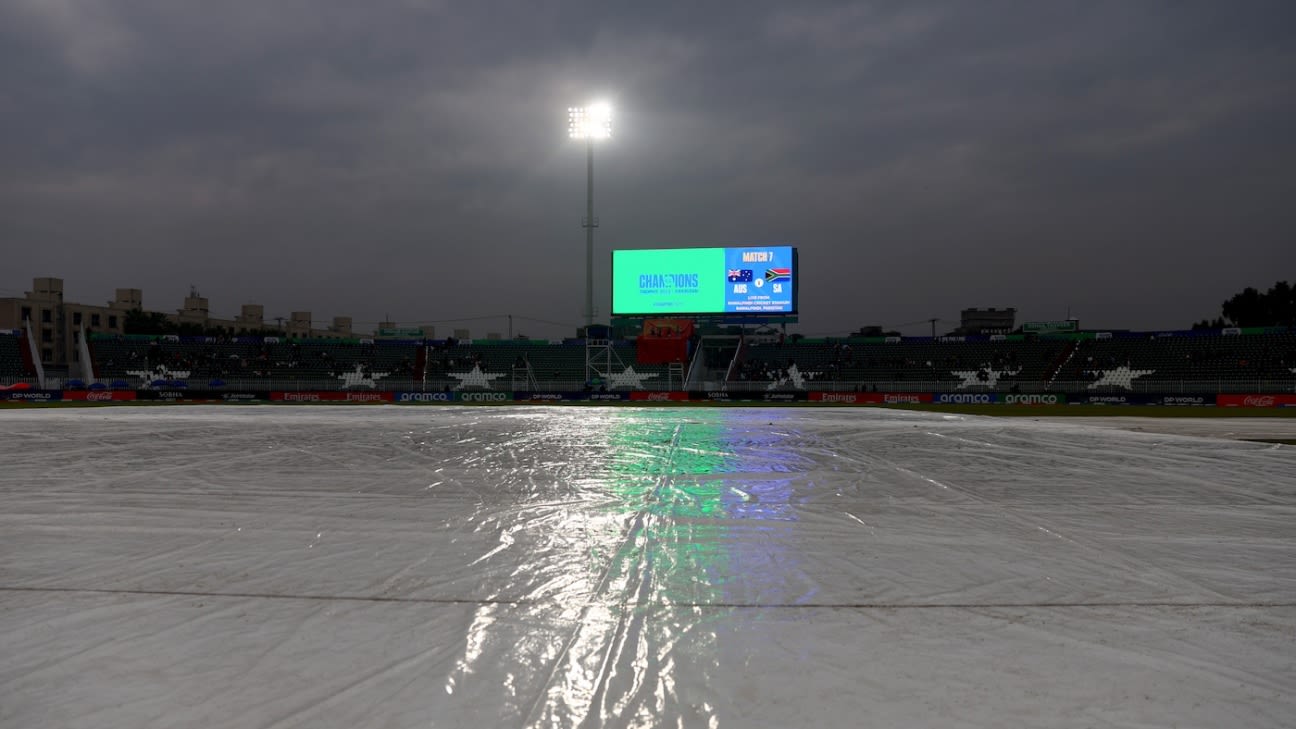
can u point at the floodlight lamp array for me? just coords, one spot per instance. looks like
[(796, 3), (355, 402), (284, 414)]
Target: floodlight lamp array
[(589, 122)]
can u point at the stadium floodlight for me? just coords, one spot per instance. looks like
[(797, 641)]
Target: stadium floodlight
[(590, 122), (593, 121)]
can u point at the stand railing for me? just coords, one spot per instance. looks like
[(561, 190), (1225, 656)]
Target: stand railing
[(1168, 387)]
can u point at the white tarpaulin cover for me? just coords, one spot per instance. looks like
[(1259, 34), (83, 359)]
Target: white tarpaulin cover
[(536, 566)]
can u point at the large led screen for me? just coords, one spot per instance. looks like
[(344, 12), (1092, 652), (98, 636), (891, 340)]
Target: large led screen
[(756, 280)]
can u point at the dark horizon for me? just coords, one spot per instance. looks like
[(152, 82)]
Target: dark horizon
[(1129, 164)]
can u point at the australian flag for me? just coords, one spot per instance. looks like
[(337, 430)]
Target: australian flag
[(740, 275)]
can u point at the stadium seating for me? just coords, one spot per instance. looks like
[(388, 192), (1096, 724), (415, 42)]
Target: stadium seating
[(1121, 362), (967, 365), (1118, 362), (141, 360), (11, 361), (491, 364)]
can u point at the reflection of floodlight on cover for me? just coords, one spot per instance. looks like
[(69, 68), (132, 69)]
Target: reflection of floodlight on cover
[(590, 122)]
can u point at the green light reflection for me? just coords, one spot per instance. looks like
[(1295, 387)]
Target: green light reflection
[(704, 511)]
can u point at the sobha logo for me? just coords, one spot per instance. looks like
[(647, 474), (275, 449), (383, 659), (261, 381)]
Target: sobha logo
[(965, 397), (423, 397), (1031, 399), (483, 396)]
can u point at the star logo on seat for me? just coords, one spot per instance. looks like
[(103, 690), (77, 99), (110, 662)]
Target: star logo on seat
[(161, 372), (1121, 377), (629, 379), (972, 378), (795, 377), (476, 378), (357, 378)]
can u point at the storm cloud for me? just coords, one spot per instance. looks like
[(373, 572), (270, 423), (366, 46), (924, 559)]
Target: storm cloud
[(1127, 162)]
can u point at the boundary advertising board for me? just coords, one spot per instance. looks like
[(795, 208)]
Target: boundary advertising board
[(332, 396), (871, 398), (1256, 401), (99, 395)]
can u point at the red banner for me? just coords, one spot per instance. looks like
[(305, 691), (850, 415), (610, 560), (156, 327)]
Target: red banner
[(1256, 401), (332, 396), (99, 395), (906, 398), (872, 398), (664, 341), (847, 398), (658, 396)]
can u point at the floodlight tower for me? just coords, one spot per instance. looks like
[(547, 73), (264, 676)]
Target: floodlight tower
[(590, 122)]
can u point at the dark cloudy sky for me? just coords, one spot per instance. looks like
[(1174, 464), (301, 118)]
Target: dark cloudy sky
[(1131, 160)]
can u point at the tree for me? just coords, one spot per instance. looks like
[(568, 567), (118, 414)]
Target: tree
[(1251, 308)]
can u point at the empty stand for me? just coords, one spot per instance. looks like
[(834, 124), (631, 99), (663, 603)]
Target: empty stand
[(1174, 363), (970, 365), (1118, 362), (12, 367)]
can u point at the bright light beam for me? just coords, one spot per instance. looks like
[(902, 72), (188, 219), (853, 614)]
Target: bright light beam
[(593, 121)]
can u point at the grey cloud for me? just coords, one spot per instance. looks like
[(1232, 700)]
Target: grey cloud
[(409, 156)]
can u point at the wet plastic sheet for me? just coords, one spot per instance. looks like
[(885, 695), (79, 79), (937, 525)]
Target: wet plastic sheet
[(531, 566)]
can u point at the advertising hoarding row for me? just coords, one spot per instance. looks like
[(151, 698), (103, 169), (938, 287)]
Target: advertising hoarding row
[(1258, 400)]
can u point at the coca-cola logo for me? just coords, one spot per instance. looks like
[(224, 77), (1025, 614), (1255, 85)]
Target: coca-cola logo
[(1259, 401), (99, 396), (659, 396)]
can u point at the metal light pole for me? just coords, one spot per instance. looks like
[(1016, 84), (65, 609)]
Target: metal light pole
[(589, 123), (590, 224)]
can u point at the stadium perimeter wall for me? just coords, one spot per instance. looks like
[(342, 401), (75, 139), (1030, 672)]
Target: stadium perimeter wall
[(1248, 400)]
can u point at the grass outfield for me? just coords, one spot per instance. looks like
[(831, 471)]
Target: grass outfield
[(1141, 411)]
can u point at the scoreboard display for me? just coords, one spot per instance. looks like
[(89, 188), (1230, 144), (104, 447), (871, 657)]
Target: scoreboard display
[(754, 280)]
